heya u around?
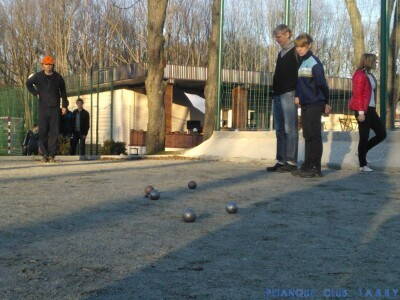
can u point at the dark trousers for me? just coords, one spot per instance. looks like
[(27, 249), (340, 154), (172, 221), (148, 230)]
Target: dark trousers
[(311, 123), (77, 138), (372, 121), (32, 148), (49, 126)]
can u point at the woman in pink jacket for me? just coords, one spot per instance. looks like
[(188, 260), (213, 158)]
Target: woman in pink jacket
[(363, 103)]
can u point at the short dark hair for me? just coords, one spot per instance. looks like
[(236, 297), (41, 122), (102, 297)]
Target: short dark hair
[(282, 28), (79, 100)]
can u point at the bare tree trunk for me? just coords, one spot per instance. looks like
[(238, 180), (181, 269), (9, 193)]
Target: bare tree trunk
[(58, 19), (211, 88), (155, 85), (27, 110), (357, 29)]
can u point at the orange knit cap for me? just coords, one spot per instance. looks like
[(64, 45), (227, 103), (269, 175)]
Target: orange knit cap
[(48, 60)]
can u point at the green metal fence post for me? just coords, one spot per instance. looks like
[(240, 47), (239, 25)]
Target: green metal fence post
[(384, 58), (91, 111), (308, 17), (287, 13), (220, 41), (112, 105), (97, 112), (79, 84)]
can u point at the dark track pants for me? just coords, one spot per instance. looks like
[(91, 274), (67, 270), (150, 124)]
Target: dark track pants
[(49, 127), (311, 123), (77, 138)]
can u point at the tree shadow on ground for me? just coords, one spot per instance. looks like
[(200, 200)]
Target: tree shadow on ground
[(313, 238), (94, 172), (326, 234)]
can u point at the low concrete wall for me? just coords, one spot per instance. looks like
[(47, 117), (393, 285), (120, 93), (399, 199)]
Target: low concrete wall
[(340, 149)]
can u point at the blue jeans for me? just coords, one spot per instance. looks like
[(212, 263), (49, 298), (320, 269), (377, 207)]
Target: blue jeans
[(285, 122)]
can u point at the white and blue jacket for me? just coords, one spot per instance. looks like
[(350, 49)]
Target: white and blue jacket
[(311, 87)]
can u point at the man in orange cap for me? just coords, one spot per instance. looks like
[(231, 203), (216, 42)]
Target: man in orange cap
[(49, 87)]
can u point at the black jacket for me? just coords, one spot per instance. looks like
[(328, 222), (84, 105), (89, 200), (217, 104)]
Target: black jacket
[(31, 143), (285, 75), (49, 89), (85, 121)]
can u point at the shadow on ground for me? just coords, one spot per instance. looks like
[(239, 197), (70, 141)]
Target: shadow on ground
[(326, 233)]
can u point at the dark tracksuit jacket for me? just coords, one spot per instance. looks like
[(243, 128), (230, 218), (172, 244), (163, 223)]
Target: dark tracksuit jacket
[(313, 92), (78, 133), (49, 89), (311, 87)]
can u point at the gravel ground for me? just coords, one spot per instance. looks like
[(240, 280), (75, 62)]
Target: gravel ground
[(83, 230)]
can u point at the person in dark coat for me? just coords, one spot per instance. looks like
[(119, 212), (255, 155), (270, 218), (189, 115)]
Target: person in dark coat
[(30, 145), (49, 87), (66, 125), (312, 94), (284, 109), (81, 121)]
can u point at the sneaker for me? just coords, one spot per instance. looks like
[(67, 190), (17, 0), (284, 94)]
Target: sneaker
[(45, 159), (366, 169), (287, 168), (318, 173), (298, 171), (310, 173), (275, 168)]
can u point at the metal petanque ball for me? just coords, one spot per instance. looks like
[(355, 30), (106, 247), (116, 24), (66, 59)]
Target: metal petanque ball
[(189, 216), (147, 190), (154, 195), (192, 185), (231, 208)]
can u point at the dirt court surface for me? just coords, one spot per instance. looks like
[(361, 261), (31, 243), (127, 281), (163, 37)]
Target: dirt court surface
[(83, 230)]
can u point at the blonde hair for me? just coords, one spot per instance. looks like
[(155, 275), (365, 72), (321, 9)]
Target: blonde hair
[(303, 39), (367, 61)]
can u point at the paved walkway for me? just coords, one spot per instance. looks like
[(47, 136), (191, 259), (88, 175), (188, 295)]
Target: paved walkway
[(83, 230)]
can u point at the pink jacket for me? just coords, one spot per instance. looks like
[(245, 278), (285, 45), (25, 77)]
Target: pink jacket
[(362, 90)]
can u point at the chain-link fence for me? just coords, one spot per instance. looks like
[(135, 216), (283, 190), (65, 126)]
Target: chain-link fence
[(11, 135), (18, 113), (249, 53)]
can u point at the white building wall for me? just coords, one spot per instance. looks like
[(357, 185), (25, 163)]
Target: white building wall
[(104, 112), (140, 112), (130, 112), (180, 114), (122, 115)]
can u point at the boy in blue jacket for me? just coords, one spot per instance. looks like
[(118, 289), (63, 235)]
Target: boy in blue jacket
[(312, 94)]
